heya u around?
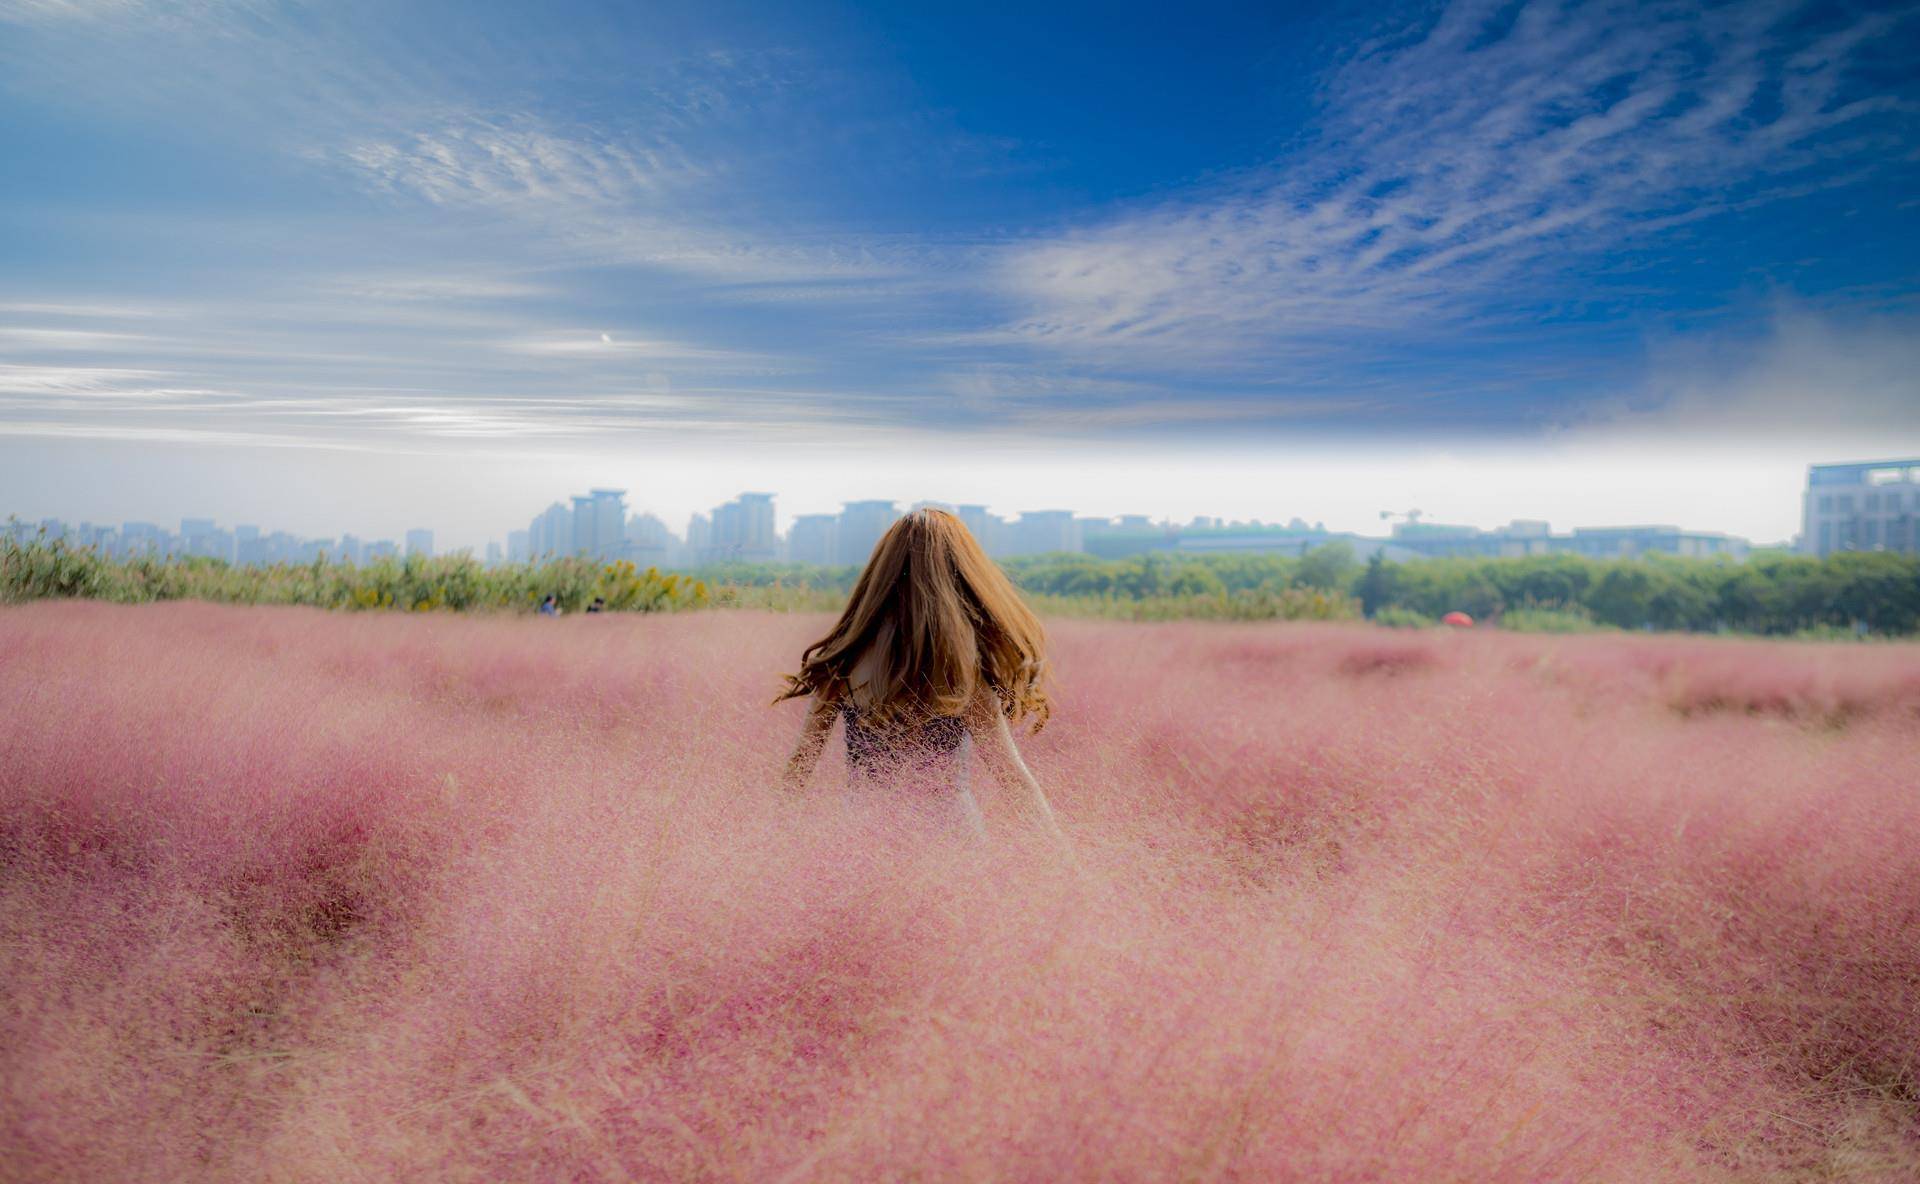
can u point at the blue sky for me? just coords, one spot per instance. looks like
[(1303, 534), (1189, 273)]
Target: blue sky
[(446, 261)]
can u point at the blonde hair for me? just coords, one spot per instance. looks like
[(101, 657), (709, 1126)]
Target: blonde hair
[(930, 618)]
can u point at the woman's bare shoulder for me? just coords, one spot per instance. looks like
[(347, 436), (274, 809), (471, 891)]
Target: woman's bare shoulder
[(984, 709)]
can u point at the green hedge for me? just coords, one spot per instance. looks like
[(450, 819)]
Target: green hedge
[(44, 569), (1851, 594)]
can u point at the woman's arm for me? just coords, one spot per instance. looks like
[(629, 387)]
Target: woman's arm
[(993, 739), (813, 739)]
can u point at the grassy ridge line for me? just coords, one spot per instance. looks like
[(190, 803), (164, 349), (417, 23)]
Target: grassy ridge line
[(1842, 596), (47, 570), (1771, 593)]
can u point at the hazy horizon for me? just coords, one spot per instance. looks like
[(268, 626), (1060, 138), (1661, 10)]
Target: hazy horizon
[(1757, 498)]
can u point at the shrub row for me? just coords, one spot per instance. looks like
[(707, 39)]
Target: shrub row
[(1847, 594), (43, 569)]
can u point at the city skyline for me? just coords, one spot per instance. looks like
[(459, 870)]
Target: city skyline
[(845, 539), (1845, 506), (1631, 482)]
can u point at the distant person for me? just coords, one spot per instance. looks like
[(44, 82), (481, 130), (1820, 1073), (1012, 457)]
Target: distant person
[(934, 655), (550, 606), (599, 605)]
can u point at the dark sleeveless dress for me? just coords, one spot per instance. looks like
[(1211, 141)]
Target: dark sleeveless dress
[(913, 772), (880, 749)]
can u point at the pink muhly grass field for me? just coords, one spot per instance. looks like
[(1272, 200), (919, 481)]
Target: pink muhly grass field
[(295, 896)]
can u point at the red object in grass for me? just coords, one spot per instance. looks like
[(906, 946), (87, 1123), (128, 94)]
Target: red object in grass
[(1457, 619)]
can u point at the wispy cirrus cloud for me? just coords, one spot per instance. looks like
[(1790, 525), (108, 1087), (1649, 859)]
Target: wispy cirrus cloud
[(410, 232), (602, 345), (80, 381), (80, 312), (63, 339), (637, 198), (55, 11), (515, 162), (660, 179), (390, 288), (1177, 414), (1464, 165)]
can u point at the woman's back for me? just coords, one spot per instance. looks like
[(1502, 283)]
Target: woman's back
[(919, 766), (934, 652), (876, 747)]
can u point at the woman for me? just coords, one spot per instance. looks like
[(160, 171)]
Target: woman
[(934, 655)]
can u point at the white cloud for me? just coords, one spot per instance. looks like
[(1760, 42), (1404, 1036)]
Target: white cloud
[(595, 343), (439, 288), (1810, 382), (143, 434), (1456, 164), (70, 380), (67, 339), (49, 11), (515, 162), (595, 197), (79, 311), (1177, 412)]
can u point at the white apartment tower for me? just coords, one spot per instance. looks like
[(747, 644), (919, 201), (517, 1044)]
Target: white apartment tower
[(1869, 506)]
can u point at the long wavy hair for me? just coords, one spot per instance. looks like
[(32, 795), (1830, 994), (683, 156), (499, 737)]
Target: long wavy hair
[(930, 619)]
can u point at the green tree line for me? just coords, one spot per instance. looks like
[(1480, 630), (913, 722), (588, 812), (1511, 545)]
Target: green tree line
[(47, 569), (1770, 593)]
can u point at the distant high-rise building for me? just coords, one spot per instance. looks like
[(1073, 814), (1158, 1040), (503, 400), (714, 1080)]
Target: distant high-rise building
[(599, 523), (101, 539), (352, 550), (420, 542), (1093, 528), (743, 530), (246, 544), (1039, 532), (989, 530), (1870, 506), (381, 549), (551, 534), (494, 554), (812, 539), (609, 523), (580, 517), (202, 537), (861, 525), (649, 542), (143, 538), (699, 535), (283, 547)]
